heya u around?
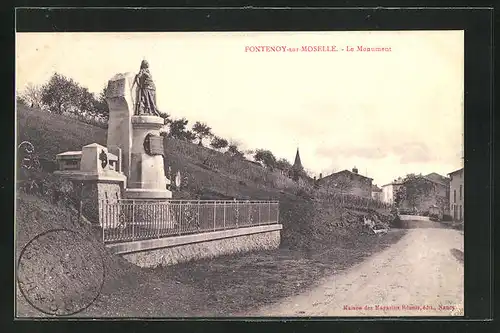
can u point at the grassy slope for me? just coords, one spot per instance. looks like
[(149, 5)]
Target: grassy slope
[(124, 292), (53, 134), (220, 177)]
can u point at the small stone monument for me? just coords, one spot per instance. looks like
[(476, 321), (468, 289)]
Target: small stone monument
[(96, 174), (134, 127), (178, 180)]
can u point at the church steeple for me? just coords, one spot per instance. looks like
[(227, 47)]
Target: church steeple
[(297, 165)]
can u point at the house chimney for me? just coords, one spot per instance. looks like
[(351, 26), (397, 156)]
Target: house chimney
[(355, 170)]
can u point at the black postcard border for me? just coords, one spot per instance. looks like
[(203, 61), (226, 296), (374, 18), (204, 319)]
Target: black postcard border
[(479, 123)]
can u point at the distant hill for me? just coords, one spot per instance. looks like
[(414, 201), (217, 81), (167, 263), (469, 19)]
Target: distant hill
[(210, 174)]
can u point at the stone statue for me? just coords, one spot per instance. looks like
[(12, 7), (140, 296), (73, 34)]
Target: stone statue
[(146, 92)]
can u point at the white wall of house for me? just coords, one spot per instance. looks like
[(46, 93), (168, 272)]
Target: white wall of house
[(457, 195), (388, 193)]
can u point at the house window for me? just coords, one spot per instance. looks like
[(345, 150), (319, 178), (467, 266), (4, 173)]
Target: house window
[(454, 196), (460, 212), (460, 192)]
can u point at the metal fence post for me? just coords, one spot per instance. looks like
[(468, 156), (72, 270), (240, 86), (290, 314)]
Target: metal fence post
[(101, 216), (133, 219), (249, 212), (278, 213), (180, 218), (80, 206), (269, 212), (224, 225), (215, 212), (260, 219)]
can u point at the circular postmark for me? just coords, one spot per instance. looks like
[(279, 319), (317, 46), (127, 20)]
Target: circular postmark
[(60, 272)]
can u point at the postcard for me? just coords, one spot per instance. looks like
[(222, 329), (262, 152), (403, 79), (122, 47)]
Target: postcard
[(239, 174)]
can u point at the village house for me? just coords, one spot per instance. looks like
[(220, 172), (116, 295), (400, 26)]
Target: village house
[(457, 194), (427, 193), (376, 193), (389, 191), (348, 182)]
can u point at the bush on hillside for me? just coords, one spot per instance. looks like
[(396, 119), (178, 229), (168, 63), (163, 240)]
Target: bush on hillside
[(48, 186), (218, 143), (284, 166), (202, 131), (447, 218), (265, 157), (31, 96)]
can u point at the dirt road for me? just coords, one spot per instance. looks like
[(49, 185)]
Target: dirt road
[(418, 276)]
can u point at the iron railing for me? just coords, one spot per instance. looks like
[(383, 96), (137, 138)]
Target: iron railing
[(130, 220)]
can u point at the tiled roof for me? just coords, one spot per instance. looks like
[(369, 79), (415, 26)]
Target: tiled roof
[(456, 171), (345, 171)]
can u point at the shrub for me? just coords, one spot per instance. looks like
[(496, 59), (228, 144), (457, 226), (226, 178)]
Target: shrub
[(447, 218), (396, 222)]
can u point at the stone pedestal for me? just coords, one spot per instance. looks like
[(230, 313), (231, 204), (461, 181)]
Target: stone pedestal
[(127, 132), (147, 173)]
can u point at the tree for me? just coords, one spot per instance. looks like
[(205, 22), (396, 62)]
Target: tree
[(202, 131), (60, 93), (84, 101), (265, 157), (249, 152), (233, 151), (189, 136), (166, 118), (32, 96), (284, 165), (178, 128), (218, 143), (399, 196), (100, 104), (20, 100), (412, 189)]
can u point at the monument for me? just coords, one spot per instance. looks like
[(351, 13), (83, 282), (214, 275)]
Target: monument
[(132, 164), (134, 127), (98, 178)]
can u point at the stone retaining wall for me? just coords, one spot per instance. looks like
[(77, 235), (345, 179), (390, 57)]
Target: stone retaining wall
[(414, 218), (173, 250), (421, 224)]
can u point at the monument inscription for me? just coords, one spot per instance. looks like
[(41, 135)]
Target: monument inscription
[(153, 145), (115, 88)]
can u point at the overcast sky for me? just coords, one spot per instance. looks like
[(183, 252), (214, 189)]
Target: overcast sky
[(387, 113)]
